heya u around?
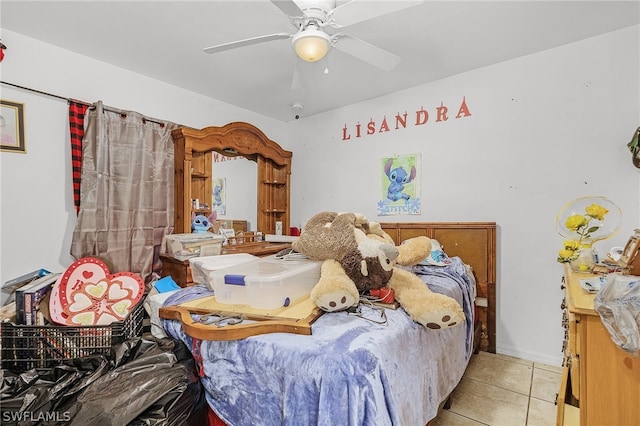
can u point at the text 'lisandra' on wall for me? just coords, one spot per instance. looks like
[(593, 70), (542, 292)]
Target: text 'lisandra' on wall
[(421, 118)]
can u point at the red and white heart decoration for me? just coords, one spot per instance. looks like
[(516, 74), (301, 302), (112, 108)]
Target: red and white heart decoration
[(88, 294)]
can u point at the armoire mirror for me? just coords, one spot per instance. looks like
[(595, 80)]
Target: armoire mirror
[(237, 192), (193, 172)]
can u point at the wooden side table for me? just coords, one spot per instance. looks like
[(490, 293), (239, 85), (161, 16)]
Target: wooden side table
[(179, 270)]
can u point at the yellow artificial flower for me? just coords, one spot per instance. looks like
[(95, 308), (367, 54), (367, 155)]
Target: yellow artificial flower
[(596, 211), (566, 255), (575, 221), (571, 245)]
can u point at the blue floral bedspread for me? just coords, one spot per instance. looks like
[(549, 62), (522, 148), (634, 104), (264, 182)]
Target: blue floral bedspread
[(350, 371)]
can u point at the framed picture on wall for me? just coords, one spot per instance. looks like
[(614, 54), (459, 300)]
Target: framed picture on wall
[(630, 251), (12, 126)]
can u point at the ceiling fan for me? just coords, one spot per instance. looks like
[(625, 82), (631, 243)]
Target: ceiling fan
[(318, 26)]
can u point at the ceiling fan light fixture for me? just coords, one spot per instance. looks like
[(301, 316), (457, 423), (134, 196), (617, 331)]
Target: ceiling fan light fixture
[(311, 44)]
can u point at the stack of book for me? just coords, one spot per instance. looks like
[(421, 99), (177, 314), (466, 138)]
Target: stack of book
[(29, 297)]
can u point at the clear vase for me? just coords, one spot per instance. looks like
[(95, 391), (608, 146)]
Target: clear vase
[(586, 259)]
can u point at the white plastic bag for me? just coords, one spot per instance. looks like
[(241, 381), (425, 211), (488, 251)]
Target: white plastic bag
[(618, 304)]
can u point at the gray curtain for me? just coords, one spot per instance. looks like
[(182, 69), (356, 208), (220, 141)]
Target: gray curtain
[(126, 199)]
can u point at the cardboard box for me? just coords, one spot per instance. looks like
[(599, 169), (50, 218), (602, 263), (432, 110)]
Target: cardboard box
[(267, 283), (186, 246)]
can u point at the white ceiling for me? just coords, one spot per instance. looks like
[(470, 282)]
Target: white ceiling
[(436, 39)]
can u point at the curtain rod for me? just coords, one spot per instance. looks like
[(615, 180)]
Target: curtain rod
[(74, 100)]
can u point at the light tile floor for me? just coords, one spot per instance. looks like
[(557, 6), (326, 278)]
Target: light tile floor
[(499, 390)]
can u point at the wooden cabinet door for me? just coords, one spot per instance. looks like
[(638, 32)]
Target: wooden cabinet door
[(610, 389)]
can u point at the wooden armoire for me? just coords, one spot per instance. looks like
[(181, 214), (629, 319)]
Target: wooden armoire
[(193, 172)]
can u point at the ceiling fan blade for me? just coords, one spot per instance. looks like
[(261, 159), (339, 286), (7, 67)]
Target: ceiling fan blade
[(245, 42), (288, 7), (367, 52), (358, 11)]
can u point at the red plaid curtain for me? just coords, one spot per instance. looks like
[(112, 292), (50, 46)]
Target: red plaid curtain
[(76, 130)]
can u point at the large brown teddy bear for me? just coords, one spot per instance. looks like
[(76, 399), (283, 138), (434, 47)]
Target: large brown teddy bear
[(359, 256)]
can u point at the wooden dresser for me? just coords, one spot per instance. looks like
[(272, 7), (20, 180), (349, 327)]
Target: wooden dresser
[(600, 382)]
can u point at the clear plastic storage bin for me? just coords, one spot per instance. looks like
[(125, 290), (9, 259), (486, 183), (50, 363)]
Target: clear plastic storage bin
[(267, 283), (186, 246), (202, 268)]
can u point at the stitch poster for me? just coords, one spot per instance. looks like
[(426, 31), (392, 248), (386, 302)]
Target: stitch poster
[(400, 185), (219, 204)]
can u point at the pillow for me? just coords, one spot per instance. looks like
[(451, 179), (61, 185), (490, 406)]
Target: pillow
[(437, 257)]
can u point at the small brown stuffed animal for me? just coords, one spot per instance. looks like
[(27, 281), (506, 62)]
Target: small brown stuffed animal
[(369, 262)]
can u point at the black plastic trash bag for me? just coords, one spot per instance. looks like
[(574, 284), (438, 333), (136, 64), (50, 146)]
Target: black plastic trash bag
[(39, 397), (145, 382), (618, 304)]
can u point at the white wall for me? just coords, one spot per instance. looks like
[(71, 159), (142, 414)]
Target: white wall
[(37, 216), (544, 129)]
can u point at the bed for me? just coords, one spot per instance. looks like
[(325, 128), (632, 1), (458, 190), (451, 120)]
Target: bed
[(357, 370)]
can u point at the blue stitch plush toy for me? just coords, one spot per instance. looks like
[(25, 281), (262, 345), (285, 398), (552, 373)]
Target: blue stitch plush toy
[(201, 223)]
